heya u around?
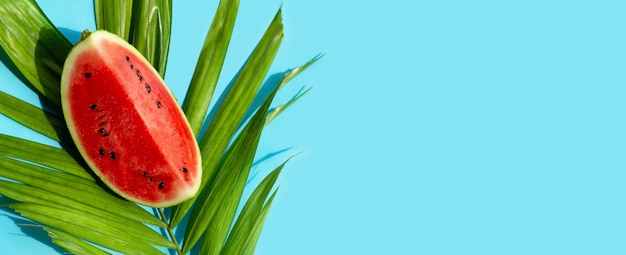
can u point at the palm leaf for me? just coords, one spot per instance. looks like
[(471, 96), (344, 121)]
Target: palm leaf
[(286, 77), (104, 229), (86, 227), (274, 112), (209, 64), (250, 243), (53, 186), (34, 118), (114, 16), (218, 201), (79, 207), (251, 216), (72, 244), (35, 46), (43, 154), (150, 30), (49, 186), (236, 102)]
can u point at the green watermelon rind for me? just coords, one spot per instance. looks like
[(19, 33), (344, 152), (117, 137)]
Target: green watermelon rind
[(89, 41)]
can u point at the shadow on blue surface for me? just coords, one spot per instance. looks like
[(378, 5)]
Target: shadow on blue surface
[(72, 35), (255, 170)]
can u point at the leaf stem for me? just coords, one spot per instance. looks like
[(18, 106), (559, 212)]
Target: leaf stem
[(170, 232)]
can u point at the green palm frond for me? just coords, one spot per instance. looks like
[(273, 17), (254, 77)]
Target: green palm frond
[(209, 64), (53, 187), (35, 46), (232, 110), (251, 218), (114, 16), (150, 28), (35, 118)]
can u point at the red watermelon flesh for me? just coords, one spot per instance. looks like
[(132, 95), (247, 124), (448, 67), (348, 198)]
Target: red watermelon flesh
[(126, 123)]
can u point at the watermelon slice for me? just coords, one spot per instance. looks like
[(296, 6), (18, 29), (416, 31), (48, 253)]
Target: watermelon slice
[(127, 124)]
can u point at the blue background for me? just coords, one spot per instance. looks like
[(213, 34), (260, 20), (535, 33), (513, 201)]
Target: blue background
[(433, 127)]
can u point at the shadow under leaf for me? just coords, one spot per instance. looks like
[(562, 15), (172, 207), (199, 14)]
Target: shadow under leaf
[(27, 227)]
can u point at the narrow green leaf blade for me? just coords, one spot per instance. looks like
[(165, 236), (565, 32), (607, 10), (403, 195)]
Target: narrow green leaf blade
[(209, 64), (114, 16), (44, 154), (297, 70), (287, 77), (279, 80), (224, 191), (87, 227), (250, 246), (53, 181), (72, 244), (34, 118), (234, 106), (274, 112), (150, 30), (250, 214), (217, 231), (212, 198), (35, 46), (46, 186), (239, 97)]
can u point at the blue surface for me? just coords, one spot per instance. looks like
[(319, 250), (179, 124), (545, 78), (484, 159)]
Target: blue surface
[(434, 127)]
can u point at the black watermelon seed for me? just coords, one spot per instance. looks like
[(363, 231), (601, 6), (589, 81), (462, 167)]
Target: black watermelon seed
[(103, 132), (159, 104), (131, 66), (151, 179), (148, 88), (140, 78), (93, 106), (127, 58), (161, 185), (101, 151), (137, 72), (144, 173), (185, 170), (112, 154), (87, 75)]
